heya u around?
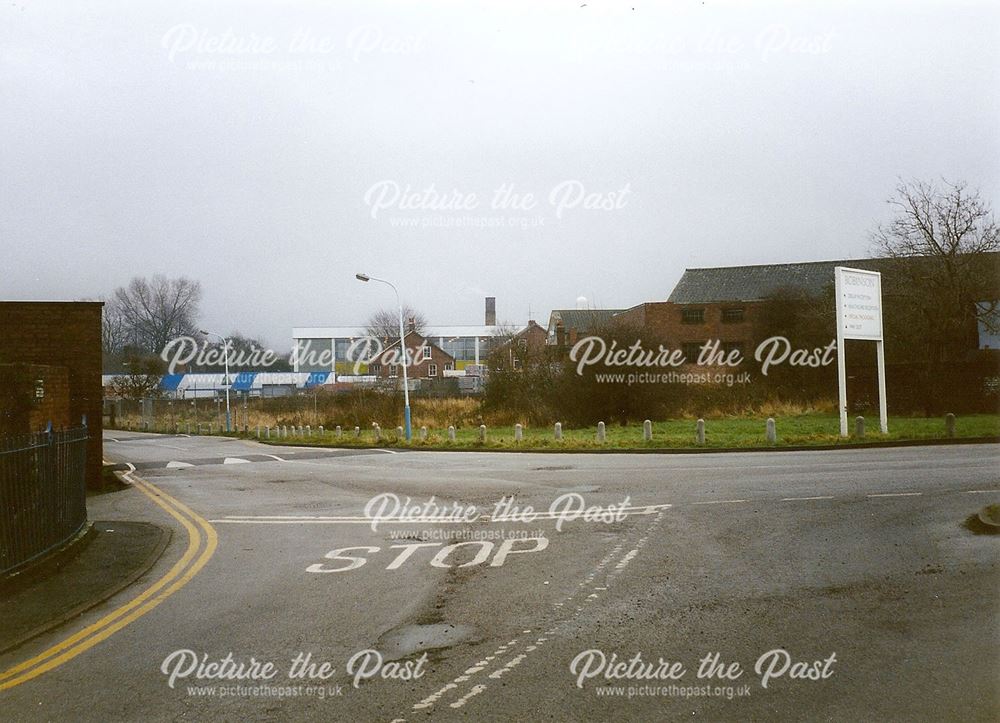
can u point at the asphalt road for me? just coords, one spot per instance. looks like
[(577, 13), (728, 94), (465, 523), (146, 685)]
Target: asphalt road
[(850, 567)]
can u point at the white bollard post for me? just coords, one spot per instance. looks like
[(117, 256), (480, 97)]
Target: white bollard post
[(949, 425), (451, 433), (772, 432), (600, 432), (267, 432), (647, 431), (309, 431), (357, 431), (399, 433), (558, 431), (482, 432), (699, 431), (859, 427), (423, 434), (518, 433)]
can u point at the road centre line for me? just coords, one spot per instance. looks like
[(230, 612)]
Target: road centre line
[(635, 510), (513, 662), (350, 519)]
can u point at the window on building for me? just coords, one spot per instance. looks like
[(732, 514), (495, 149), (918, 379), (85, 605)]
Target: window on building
[(375, 368), (463, 348), (691, 351), (393, 370), (427, 352), (517, 363), (314, 355), (731, 346), (733, 315), (448, 366), (692, 316), (432, 370)]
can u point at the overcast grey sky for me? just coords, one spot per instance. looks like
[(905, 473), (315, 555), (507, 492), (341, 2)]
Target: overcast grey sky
[(264, 149)]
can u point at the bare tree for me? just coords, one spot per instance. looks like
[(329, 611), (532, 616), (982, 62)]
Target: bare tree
[(384, 323), (158, 309), (947, 221), (114, 329), (141, 380), (944, 236), (247, 353), (945, 239)]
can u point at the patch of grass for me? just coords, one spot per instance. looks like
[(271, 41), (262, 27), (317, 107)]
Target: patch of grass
[(816, 429)]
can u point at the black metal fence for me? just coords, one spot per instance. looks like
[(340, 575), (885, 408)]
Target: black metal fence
[(43, 494)]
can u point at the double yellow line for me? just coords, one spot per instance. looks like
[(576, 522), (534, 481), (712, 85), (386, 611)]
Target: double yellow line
[(194, 558)]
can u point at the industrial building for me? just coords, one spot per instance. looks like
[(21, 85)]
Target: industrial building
[(329, 348)]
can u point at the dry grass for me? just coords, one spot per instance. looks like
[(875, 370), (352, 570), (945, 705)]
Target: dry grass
[(440, 413)]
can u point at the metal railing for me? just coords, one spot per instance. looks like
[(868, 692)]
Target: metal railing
[(43, 494)]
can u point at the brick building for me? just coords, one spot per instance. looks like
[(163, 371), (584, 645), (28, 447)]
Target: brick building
[(31, 396), (729, 303), (51, 356), (529, 343), (425, 360), (566, 326)]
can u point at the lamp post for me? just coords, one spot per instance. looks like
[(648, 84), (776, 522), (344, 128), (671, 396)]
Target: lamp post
[(402, 348), (225, 351)]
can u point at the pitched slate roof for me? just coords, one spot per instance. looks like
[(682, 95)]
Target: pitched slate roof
[(581, 318), (575, 318), (754, 283)]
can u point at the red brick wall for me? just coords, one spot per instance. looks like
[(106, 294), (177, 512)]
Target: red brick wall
[(21, 411), (419, 369), (64, 334), (664, 320)]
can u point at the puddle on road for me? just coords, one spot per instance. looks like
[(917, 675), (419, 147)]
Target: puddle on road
[(408, 639)]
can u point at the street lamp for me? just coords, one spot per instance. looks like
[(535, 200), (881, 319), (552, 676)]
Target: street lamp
[(225, 351), (402, 348)]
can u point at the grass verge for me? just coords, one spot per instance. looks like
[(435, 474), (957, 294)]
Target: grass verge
[(806, 430)]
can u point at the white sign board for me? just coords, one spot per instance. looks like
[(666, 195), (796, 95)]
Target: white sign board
[(859, 316), (859, 303)]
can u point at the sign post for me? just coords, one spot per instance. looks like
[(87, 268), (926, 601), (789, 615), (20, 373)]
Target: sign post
[(859, 316)]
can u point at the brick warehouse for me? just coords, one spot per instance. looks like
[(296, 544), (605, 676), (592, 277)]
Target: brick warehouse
[(730, 303), (39, 339)]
